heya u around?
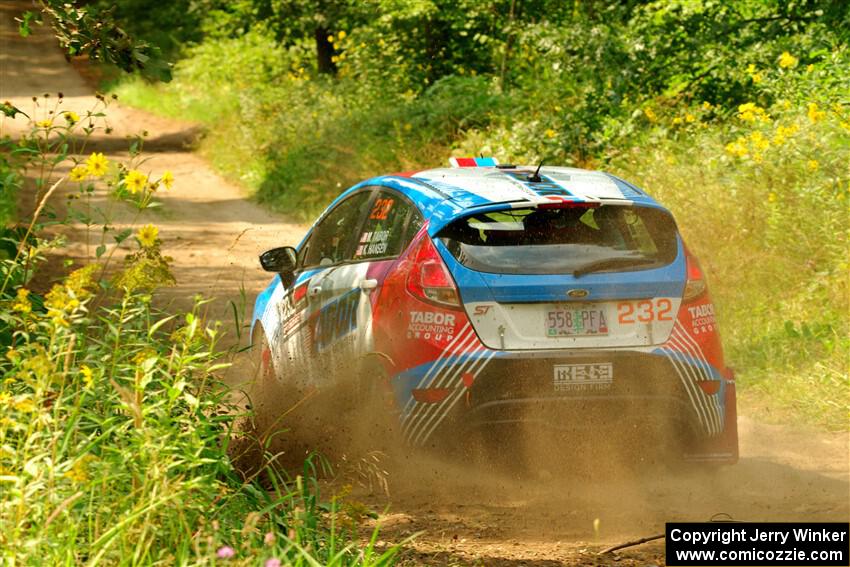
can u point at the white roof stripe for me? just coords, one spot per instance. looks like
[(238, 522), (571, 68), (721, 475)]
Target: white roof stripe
[(498, 187)]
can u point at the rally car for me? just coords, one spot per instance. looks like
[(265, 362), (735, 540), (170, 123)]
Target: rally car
[(484, 296)]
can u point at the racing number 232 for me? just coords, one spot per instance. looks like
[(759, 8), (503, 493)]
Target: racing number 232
[(381, 209), (644, 311)]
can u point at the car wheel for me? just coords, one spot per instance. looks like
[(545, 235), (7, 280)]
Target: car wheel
[(267, 432)]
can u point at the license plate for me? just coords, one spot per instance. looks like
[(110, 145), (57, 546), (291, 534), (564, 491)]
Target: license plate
[(570, 321), (596, 376)]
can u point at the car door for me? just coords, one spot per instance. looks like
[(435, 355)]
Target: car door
[(344, 327), (292, 319), (325, 290)]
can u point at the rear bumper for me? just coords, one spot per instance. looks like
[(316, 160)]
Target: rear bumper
[(645, 396)]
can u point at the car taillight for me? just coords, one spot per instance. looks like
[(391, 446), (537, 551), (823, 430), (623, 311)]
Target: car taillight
[(695, 283), (429, 278)]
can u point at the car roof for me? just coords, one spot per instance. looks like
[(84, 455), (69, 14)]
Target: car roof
[(445, 194)]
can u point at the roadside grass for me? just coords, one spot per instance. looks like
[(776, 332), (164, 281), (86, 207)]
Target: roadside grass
[(772, 238)]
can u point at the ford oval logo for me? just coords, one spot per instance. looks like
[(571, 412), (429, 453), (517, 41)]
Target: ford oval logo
[(578, 293)]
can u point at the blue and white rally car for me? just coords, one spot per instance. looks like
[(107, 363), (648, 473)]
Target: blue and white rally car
[(485, 296)]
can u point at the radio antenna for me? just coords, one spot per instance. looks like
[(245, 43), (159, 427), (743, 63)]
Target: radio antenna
[(535, 177)]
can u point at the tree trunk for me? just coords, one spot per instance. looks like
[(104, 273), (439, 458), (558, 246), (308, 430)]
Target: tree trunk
[(324, 52)]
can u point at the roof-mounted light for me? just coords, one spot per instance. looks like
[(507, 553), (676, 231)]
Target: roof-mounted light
[(473, 162)]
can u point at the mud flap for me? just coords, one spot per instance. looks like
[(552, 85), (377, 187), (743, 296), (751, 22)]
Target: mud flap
[(722, 449)]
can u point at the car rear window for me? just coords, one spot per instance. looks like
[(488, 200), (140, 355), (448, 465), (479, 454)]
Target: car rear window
[(574, 240)]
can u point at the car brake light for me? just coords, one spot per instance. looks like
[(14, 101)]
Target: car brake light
[(429, 279), (695, 283), (561, 203)]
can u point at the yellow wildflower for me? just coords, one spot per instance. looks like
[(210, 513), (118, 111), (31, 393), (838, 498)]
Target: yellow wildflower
[(167, 179), (87, 374), (147, 235), (330, 39), (79, 173), (135, 180), (341, 34), (677, 120), (22, 303), (813, 165), (738, 148), (65, 298), (771, 197), (39, 364), (810, 67), (759, 141), (143, 356), (78, 472), (650, 114), (97, 164), (79, 281), (5, 399), (787, 60), (72, 117), (25, 405), (750, 112), (754, 75), (814, 113), (783, 133), (44, 123), (689, 117), (12, 354), (706, 105), (550, 133)]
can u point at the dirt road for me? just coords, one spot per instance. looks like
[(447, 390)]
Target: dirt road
[(546, 517)]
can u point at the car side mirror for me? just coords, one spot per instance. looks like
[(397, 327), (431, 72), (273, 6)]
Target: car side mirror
[(281, 261)]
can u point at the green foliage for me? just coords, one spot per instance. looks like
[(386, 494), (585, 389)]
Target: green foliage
[(97, 36)]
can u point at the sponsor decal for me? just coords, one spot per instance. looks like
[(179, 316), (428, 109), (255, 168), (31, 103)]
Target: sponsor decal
[(572, 377), (336, 320), (482, 309), (431, 325), (299, 293), (373, 243), (702, 318)]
